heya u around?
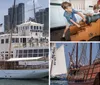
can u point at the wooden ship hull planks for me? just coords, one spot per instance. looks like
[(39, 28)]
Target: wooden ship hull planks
[(91, 77)]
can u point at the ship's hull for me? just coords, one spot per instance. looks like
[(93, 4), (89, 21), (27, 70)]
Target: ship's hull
[(97, 82), (81, 83), (93, 77), (24, 74)]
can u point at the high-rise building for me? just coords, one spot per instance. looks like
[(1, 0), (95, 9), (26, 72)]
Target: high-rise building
[(6, 22), (20, 13), (19, 17), (46, 21), (42, 16), (10, 14)]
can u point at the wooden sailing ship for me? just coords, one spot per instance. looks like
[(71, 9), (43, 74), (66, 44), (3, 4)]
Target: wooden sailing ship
[(87, 74)]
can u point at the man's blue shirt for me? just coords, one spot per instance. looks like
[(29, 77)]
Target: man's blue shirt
[(69, 16)]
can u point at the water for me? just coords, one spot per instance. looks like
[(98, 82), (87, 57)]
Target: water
[(58, 82), (23, 82)]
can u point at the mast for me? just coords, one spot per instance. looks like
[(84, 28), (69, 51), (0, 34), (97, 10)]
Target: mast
[(11, 30), (76, 55), (90, 60), (53, 46)]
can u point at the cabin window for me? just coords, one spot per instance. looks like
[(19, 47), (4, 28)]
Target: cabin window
[(17, 40), (40, 50), (31, 27), (6, 55), (46, 50), (35, 51), (30, 51), (20, 55), (29, 55), (25, 51), (7, 40), (20, 51), (11, 55), (40, 54), (35, 27), (21, 40), (35, 55), (2, 41), (6, 52), (40, 27), (24, 40)]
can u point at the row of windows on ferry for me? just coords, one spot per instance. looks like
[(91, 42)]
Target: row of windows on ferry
[(27, 53), (32, 53), (14, 40), (17, 40), (32, 28)]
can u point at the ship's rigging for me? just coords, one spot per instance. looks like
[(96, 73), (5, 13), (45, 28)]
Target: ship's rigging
[(88, 73)]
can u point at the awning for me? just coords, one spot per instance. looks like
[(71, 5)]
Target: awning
[(23, 59)]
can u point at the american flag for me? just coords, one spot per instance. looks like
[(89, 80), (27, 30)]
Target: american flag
[(1, 24)]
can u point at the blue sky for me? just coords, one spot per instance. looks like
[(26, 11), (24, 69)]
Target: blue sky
[(5, 4), (68, 48)]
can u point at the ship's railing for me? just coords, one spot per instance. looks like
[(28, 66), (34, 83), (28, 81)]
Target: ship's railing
[(28, 45)]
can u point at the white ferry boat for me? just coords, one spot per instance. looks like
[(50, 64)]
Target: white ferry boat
[(28, 57)]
